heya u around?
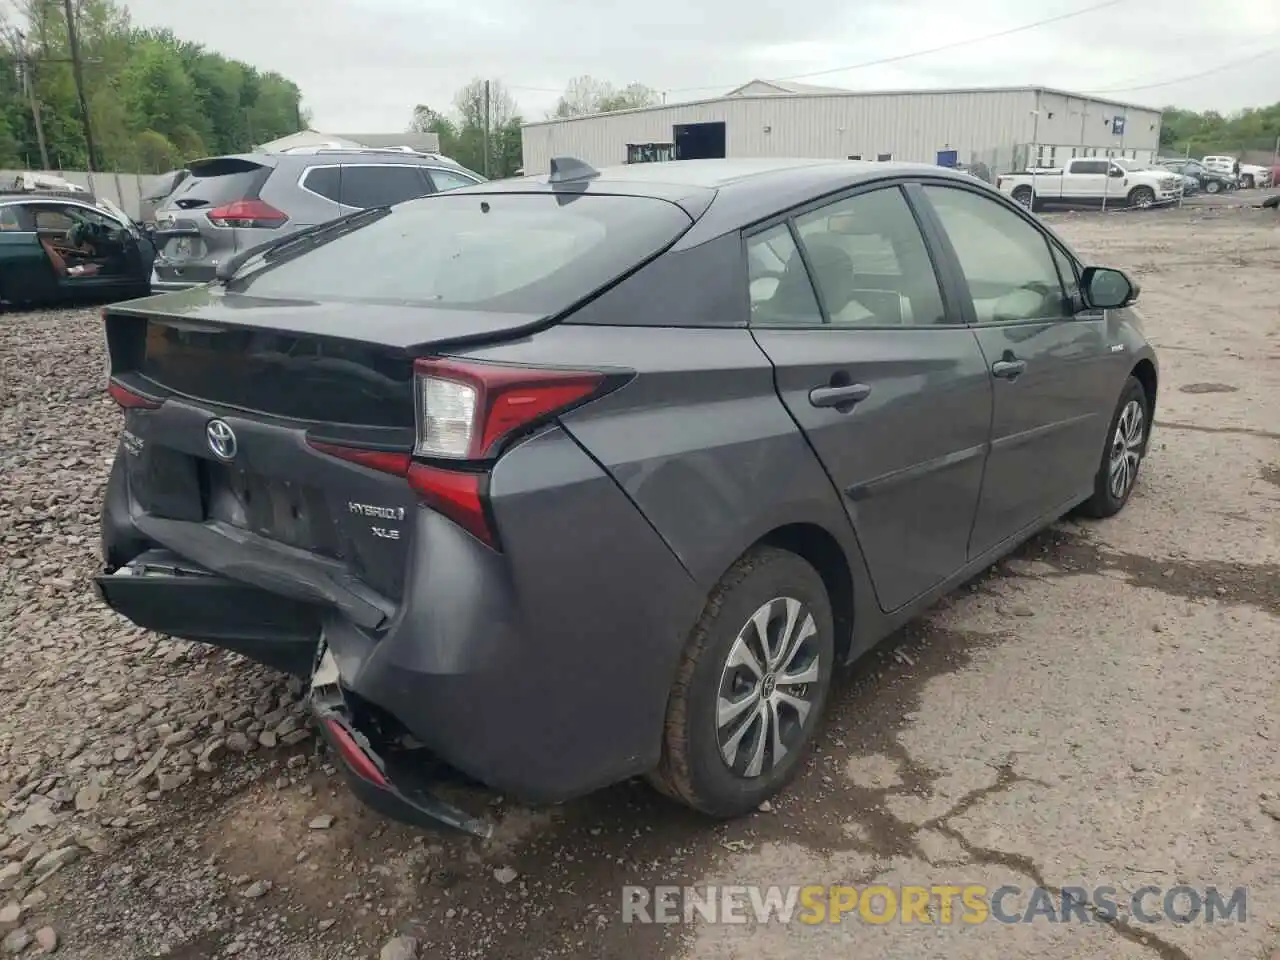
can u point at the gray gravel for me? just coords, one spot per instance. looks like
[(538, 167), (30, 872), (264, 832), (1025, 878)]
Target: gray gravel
[(1100, 709)]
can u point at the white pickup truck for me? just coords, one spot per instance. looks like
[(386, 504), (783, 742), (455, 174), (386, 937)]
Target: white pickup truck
[(1089, 182)]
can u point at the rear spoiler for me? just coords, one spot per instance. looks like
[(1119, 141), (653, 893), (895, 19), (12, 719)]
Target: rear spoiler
[(232, 163)]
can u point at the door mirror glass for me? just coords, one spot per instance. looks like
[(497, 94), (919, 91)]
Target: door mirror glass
[(1107, 289)]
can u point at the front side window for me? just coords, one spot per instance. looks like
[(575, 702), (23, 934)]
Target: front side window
[(1005, 259), (870, 263)]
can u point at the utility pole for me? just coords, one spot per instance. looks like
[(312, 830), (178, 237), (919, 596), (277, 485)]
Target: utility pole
[(28, 65), (78, 74), (486, 129), (30, 88)]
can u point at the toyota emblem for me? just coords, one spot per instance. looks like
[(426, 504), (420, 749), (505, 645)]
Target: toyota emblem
[(222, 439)]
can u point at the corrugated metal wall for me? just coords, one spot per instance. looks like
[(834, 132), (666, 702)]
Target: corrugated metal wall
[(982, 126)]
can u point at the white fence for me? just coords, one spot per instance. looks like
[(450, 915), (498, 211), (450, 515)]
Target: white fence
[(126, 190)]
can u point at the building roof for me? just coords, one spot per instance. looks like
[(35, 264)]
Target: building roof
[(786, 87), (831, 92)]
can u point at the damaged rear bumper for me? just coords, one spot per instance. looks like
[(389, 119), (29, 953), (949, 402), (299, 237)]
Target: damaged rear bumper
[(375, 777), (161, 591)]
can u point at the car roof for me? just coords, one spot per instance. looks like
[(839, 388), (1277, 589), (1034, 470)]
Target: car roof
[(744, 190)]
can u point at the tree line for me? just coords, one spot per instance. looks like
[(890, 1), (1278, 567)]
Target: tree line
[(461, 129), (1253, 130), (155, 101)]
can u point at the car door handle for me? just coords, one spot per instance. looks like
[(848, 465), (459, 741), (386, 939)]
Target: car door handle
[(1008, 369), (846, 395)]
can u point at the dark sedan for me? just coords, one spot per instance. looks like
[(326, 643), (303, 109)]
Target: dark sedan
[(62, 248), (569, 478)]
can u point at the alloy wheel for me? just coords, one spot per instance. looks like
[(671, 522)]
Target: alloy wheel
[(768, 687), (1126, 449)]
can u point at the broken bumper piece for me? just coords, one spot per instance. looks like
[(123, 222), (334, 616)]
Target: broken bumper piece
[(374, 776)]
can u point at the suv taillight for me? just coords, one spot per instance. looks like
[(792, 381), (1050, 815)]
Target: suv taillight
[(465, 412), (247, 213)]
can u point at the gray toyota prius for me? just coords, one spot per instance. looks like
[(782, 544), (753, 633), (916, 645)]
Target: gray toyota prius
[(559, 480)]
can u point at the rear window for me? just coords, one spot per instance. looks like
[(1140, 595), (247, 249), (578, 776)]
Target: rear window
[(220, 182), (524, 253)]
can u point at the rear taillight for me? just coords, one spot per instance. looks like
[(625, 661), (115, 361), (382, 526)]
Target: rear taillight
[(465, 413), (247, 213), (466, 410), (129, 400)]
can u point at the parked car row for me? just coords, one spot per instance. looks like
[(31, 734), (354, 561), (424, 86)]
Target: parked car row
[(560, 480), (1094, 182), (60, 243)]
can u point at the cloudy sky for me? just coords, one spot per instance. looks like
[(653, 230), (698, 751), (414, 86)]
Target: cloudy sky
[(363, 64)]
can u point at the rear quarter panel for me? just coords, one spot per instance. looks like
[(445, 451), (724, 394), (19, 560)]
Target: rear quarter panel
[(699, 440)]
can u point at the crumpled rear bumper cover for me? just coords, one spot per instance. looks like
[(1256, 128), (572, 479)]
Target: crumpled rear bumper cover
[(371, 770)]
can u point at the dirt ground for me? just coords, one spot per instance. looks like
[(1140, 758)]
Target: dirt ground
[(1101, 709)]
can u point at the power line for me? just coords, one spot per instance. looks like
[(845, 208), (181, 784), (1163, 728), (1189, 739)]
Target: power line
[(946, 46), (1191, 76)]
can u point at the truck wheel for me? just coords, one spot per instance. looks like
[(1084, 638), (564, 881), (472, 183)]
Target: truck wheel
[(1023, 196), (1246, 181), (1142, 197), (751, 686), (1213, 186)]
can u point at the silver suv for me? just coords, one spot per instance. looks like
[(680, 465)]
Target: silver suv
[(230, 204)]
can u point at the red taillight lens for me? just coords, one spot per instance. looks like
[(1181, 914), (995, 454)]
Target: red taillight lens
[(247, 213), (458, 495), (128, 399), (465, 410)]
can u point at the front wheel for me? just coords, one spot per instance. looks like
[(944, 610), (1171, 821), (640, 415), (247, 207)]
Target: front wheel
[(1246, 182), (1122, 456), (751, 687), (1213, 186), (1142, 197)]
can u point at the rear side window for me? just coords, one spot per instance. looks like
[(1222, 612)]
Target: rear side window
[(220, 182), (517, 253), (370, 186), (870, 263)]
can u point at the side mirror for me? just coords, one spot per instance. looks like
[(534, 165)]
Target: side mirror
[(1107, 289), (1115, 172)]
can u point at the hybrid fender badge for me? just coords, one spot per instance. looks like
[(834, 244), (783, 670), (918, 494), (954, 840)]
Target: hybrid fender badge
[(222, 439)]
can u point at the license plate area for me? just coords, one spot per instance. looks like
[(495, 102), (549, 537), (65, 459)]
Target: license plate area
[(291, 513)]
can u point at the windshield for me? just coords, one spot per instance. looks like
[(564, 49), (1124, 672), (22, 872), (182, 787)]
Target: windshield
[(505, 252)]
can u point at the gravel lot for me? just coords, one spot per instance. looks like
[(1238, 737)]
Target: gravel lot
[(1101, 709)]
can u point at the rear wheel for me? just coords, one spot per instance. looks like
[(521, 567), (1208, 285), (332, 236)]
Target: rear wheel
[(751, 687), (1246, 181), (1122, 456), (1024, 196), (1142, 197)]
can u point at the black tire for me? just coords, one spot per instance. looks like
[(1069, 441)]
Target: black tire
[(1246, 181), (1141, 197), (693, 768), (1213, 186), (1024, 196), (1106, 500)]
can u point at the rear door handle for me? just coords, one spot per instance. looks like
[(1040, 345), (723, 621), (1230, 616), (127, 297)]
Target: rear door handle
[(1008, 369), (842, 396)]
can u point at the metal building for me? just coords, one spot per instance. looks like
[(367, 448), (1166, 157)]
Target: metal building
[(1000, 129)]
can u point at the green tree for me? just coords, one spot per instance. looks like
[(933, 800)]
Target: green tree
[(585, 95), (138, 83)]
